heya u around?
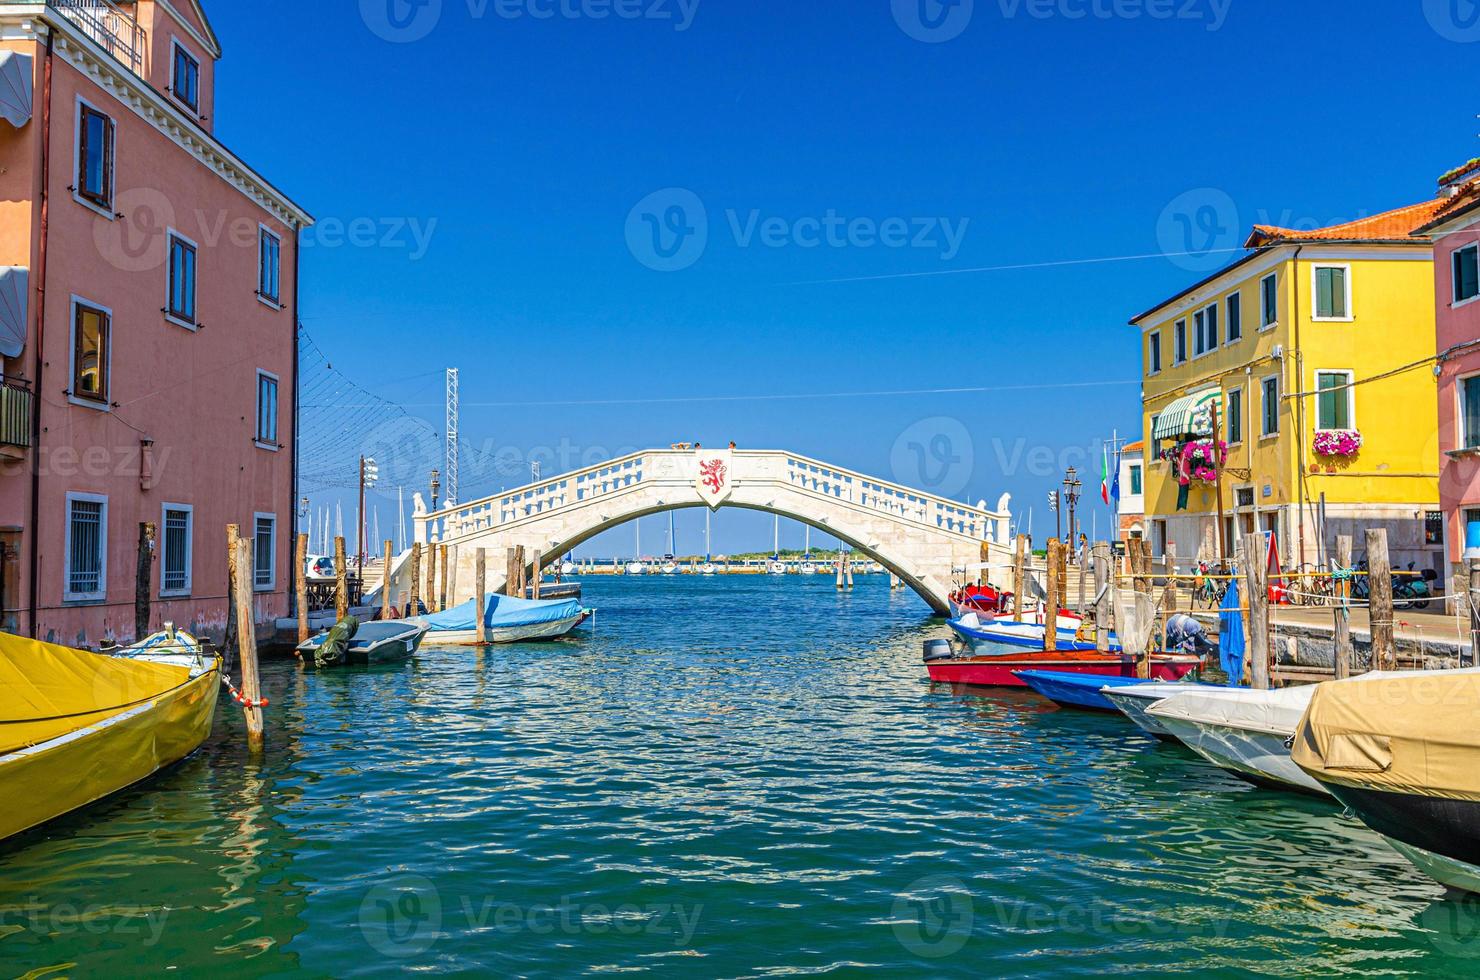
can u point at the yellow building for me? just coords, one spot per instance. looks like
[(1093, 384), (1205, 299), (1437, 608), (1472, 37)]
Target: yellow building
[(1308, 340)]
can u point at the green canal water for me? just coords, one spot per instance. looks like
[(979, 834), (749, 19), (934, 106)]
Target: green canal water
[(733, 777)]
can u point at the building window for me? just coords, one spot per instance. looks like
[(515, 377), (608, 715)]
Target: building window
[(186, 83), (87, 547), (1235, 318), (91, 335), (1433, 527), (1334, 400), (1466, 273), (1212, 327), (269, 259), (264, 548), (1155, 352), (267, 410), (182, 280), (1159, 537), (1181, 341), (1469, 409), (174, 575), (95, 158), (1199, 335), (1153, 444), (1136, 481), (1269, 301), (1235, 400), (1270, 421), (1333, 298)]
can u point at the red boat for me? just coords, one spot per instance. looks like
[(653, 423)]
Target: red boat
[(997, 671), (984, 600)]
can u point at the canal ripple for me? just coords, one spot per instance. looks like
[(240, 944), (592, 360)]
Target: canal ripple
[(733, 777)]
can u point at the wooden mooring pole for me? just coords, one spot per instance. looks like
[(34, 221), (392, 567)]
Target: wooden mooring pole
[(1019, 582), (511, 570), (233, 534), (1342, 607), (341, 580), (536, 573), (480, 593), (431, 583), (1051, 609), (1256, 577), (300, 585), (1103, 571), (1474, 609), (1380, 572), (413, 601), (142, 579), (251, 690), (442, 592)]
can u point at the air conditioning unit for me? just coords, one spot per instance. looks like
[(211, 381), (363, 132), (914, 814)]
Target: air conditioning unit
[(1278, 353)]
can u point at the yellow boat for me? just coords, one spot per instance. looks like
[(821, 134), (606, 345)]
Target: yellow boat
[(76, 726)]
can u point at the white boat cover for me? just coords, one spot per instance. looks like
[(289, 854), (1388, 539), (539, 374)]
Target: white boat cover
[(15, 88), (1269, 712)]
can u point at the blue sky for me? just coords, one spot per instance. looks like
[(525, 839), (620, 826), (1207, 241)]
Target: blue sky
[(507, 171)]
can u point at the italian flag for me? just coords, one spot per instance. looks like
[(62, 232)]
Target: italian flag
[(1104, 474)]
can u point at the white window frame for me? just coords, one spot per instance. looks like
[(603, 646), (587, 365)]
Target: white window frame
[(102, 593), (174, 87), (164, 510), (1200, 333), (1454, 301), (1263, 401), (1273, 277), (92, 206), (276, 304), (1351, 397), (1234, 298), (170, 235), (257, 585), (1179, 343), (1315, 299), (1461, 443), (1243, 416), (1154, 363), (271, 447), (106, 405)]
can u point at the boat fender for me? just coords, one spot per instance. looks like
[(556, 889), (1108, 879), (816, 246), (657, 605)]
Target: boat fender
[(938, 650)]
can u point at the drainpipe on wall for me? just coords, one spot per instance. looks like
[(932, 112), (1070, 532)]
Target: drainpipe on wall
[(1299, 408), (35, 599), (293, 483)]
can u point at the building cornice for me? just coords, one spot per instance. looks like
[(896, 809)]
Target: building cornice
[(81, 52)]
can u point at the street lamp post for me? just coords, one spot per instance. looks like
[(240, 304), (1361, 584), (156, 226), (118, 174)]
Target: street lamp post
[(436, 486), (369, 476), (1058, 517), (1072, 487)]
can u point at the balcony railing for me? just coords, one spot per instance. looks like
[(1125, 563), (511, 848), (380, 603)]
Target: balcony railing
[(15, 415), (114, 30)]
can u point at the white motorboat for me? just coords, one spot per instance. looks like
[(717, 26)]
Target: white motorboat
[(568, 568), (707, 568), (367, 643), (807, 568), (670, 568), (1242, 731), (1134, 701)]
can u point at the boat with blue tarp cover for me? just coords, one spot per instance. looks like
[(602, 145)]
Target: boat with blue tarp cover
[(506, 619), (1076, 690)]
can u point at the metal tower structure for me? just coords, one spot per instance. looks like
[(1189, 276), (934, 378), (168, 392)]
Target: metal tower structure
[(450, 463)]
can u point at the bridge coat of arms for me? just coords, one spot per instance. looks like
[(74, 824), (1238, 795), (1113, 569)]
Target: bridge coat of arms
[(713, 476)]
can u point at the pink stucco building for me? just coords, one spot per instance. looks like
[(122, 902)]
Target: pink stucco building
[(148, 302), (1456, 234)]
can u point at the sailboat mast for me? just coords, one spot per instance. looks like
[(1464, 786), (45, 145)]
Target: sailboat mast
[(707, 549)]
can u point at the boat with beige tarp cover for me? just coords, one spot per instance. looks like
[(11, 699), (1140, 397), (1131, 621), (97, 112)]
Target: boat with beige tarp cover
[(1403, 753), (77, 726)]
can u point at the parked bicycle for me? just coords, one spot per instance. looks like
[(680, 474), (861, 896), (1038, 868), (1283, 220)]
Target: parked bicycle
[(1207, 588)]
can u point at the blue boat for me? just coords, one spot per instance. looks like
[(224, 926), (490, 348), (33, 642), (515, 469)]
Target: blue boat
[(1077, 690), (1000, 633), (505, 620)]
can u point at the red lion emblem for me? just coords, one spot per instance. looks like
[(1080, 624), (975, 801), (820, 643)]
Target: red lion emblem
[(712, 474)]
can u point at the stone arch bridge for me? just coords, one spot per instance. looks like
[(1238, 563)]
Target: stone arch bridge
[(926, 540)]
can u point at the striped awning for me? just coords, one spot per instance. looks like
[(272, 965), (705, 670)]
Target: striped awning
[(1191, 416)]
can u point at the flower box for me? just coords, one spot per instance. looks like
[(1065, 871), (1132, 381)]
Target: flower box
[(1338, 443)]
